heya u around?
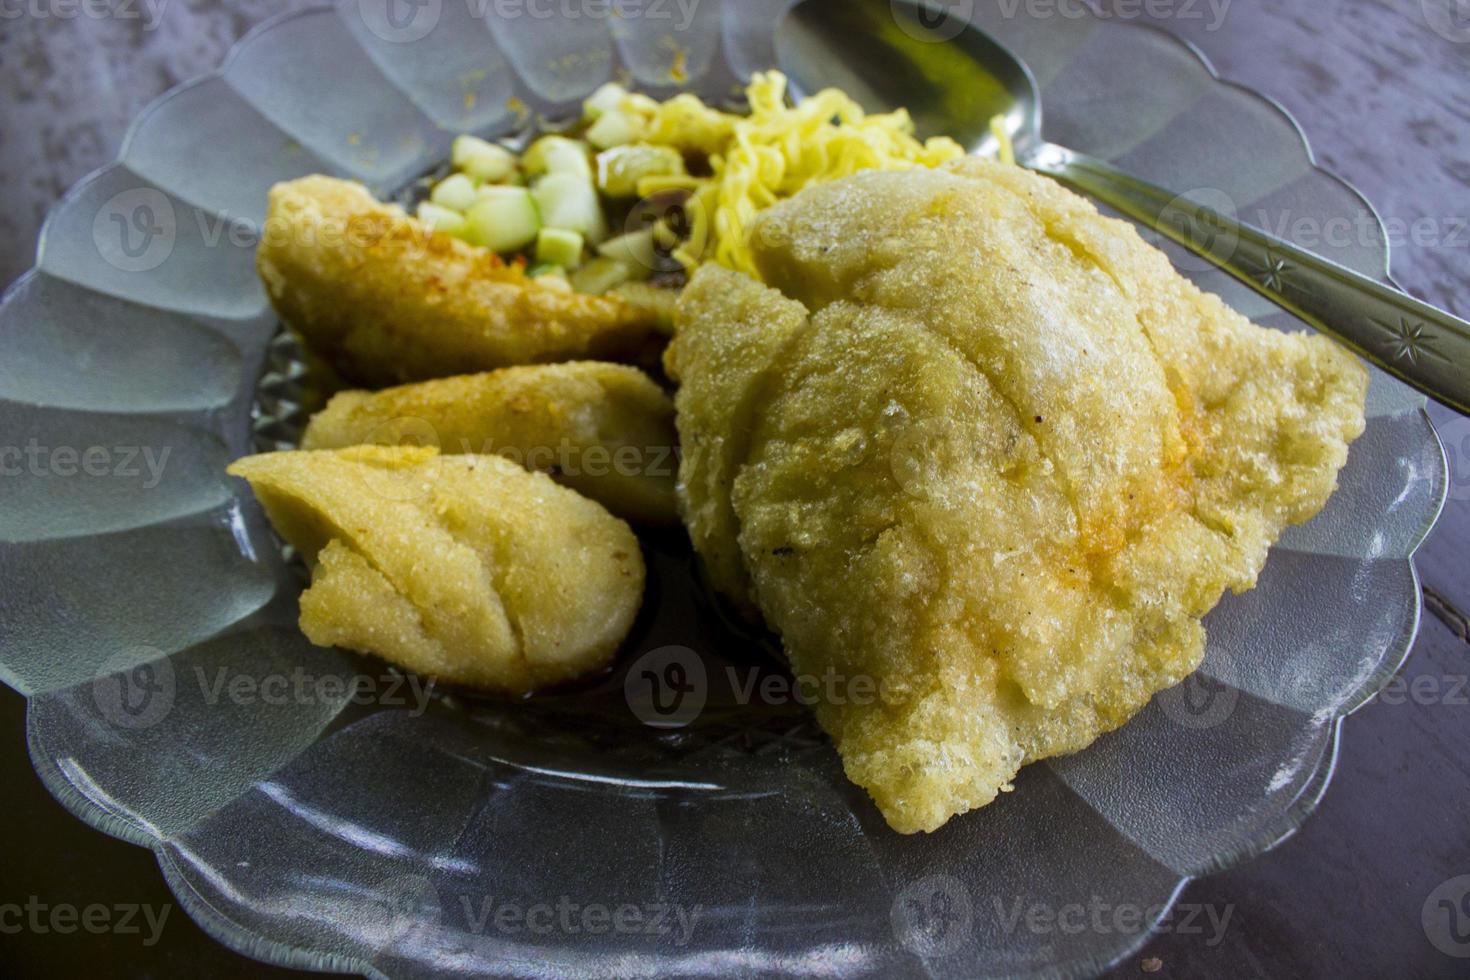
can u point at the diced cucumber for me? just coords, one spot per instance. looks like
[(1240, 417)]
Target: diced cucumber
[(559, 155), (482, 160), (456, 192), (504, 219), (442, 219), (601, 275), (615, 128), (603, 100), (636, 250), (570, 203), (620, 169), (557, 246)]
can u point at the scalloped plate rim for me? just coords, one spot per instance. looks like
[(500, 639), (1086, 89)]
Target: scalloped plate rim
[(232, 935)]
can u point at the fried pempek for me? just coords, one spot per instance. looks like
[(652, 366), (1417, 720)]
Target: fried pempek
[(984, 452)]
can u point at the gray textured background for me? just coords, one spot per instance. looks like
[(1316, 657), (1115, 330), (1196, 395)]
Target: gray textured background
[(1382, 89)]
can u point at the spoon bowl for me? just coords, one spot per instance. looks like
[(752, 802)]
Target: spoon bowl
[(951, 85)]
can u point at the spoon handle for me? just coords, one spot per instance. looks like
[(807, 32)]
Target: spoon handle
[(1426, 348)]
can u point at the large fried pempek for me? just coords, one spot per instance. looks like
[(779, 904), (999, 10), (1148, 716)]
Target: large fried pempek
[(984, 452)]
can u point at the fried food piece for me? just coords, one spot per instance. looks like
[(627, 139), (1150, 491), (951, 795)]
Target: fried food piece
[(467, 569), (386, 300), (985, 450), (605, 430), (736, 331)]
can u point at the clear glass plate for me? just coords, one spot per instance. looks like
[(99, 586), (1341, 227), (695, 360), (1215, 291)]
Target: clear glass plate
[(149, 613)]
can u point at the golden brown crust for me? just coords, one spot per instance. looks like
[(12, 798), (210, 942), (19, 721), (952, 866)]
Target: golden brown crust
[(386, 301), (1004, 471), (722, 373), (604, 430), (467, 569)]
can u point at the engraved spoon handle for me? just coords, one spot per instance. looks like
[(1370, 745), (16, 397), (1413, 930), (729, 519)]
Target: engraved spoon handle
[(1425, 348)]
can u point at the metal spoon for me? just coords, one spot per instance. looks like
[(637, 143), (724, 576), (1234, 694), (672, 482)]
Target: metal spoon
[(955, 88)]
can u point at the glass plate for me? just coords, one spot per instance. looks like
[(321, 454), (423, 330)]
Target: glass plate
[(310, 807)]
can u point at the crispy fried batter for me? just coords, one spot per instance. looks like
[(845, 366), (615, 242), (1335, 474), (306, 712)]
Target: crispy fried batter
[(990, 451), (605, 430), (463, 568), (385, 300)]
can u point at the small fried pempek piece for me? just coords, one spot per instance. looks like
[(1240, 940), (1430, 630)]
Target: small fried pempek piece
[(386, 300), (605, 430), (466, 569)]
